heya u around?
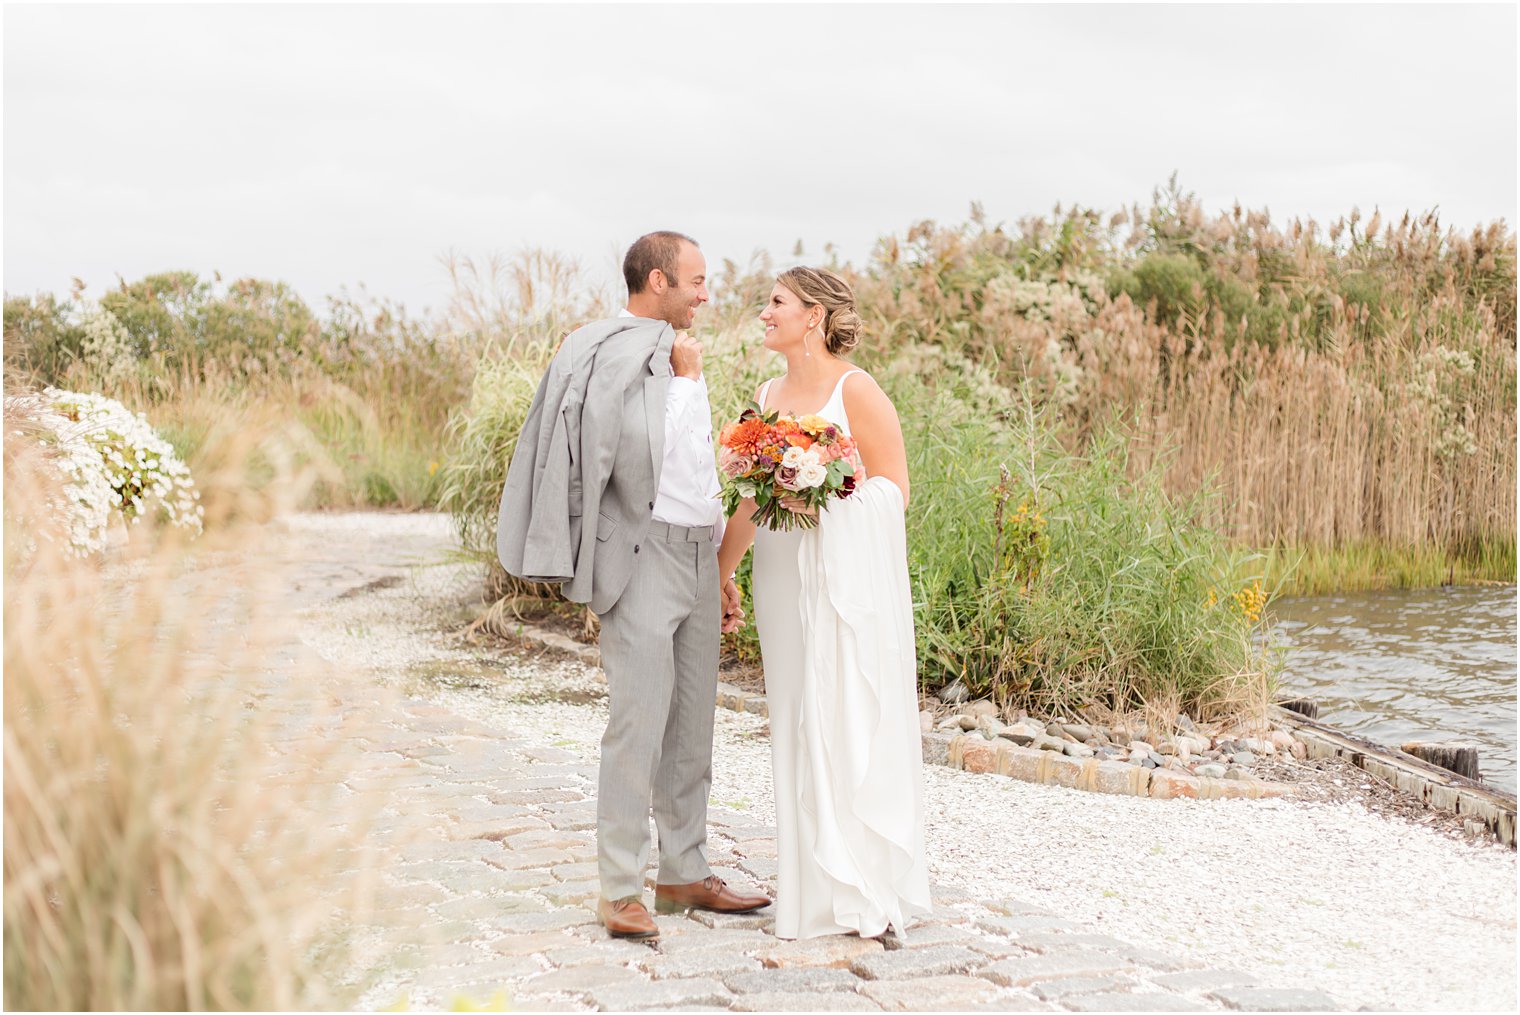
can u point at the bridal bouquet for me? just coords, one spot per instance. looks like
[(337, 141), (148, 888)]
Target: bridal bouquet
[(772, 458)]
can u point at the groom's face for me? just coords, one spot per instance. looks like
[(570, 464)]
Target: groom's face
[(687, 290)]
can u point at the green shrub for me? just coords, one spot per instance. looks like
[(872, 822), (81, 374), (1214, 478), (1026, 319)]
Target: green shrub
[(481, 439), (1175, 282), (1053, 581), (41, 341), (164, 313)]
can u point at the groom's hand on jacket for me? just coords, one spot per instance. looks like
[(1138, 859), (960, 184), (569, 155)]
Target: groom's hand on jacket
[(686, 356)]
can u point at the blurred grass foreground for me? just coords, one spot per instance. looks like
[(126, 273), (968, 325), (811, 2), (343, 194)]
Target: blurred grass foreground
[(173, 839), (1127, 429)]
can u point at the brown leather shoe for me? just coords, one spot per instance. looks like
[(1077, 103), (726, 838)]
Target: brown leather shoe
[(710, 893), (626, 918)]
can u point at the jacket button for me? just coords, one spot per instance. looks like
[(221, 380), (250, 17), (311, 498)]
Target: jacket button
[(635, 549), (651, 505)]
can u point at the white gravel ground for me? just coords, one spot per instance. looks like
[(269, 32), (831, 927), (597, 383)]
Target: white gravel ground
[(1379, 912)]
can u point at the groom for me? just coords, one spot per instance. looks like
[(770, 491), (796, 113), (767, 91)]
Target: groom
[(613, 491)]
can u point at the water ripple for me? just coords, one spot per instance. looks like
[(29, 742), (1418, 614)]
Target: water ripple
[(1423, 664)]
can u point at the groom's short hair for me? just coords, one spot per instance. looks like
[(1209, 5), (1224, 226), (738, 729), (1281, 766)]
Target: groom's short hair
[(661, 250)]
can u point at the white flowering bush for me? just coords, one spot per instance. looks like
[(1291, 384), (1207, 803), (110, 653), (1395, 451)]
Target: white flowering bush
[(112, 461), (1044, 299), (1063, 378), (1440, 377), (972, 383), (1045, 317), (107, 345)]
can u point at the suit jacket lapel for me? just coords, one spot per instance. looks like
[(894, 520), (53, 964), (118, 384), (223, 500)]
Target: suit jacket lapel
[(656, 387)]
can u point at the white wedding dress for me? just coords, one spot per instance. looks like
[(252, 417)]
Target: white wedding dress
[(835, 618)]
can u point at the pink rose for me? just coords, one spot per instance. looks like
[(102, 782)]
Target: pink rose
[(733, 464), (787, 477)]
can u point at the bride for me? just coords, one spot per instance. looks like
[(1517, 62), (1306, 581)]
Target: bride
[(835, 620)]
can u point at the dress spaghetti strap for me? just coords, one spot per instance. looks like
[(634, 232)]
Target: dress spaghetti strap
[(839, 387), (837, 397)]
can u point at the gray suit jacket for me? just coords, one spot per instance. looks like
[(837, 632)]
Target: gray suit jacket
[(581, 487)]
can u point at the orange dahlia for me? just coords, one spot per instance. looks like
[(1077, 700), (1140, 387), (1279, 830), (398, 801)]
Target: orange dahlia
[(746, 436)]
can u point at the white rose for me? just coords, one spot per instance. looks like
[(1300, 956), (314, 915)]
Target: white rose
[(810, 457), (811, 475), (792, 459)]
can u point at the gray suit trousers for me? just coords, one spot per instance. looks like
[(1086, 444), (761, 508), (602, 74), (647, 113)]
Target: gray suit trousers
[(660, 652)]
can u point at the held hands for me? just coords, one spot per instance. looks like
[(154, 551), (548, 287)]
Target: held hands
[(733, 613), (686, 356)]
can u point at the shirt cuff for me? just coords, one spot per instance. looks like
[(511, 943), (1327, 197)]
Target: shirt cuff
[(679, 397)]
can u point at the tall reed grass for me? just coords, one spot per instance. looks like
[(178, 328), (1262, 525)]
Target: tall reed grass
[(169, 842), (1349, 387)]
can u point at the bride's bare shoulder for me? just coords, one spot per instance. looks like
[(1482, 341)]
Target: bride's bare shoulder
[(861, 386), (866, 403)]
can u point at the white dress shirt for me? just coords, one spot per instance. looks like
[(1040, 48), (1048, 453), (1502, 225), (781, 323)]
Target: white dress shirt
[(689, 488)]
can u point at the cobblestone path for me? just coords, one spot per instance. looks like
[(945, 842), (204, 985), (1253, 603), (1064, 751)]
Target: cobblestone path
[(492, 874), (498, 901)]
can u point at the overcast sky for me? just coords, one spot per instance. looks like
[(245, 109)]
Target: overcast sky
[(331, 146)]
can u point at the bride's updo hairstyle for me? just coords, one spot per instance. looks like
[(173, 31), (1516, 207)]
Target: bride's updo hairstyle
[(819, 287)]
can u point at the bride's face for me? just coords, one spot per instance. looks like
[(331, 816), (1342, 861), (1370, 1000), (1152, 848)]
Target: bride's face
[(787, 319)]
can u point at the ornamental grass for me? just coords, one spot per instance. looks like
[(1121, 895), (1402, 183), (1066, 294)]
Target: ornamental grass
[(171, 840)]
